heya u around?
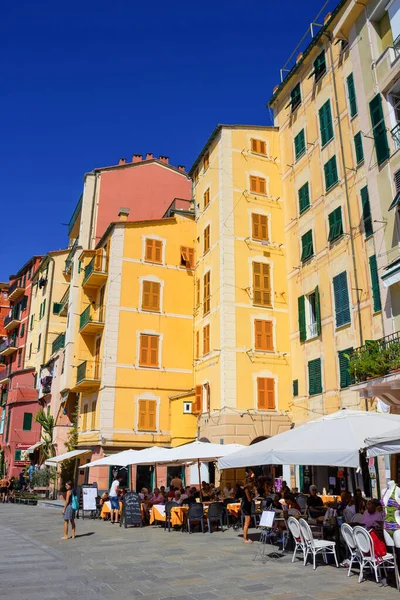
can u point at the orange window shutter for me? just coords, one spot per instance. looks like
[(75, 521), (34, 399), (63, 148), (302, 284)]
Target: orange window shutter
[(149, 250), (206, 339), (208, 392), (262, 186), (198, 399), (144, 350), (153, 350), (151, 414), (197, 292), (253, 183), (157, 251), (93, 423), (270, 393), (263, 227), (98, 260), (184, 253), (261, 393), (206, 198), (206, 161), (142, 420), (146, 295), (266, 285), (263, 147), (253, 143), (257, 295), (197, 344), (155, 296), (256, 226), (84, 424), (191, 258), (258, 331), (269, 344)]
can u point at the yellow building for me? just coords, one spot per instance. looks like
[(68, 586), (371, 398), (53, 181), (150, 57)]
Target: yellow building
[(241, 330), (133, 345)]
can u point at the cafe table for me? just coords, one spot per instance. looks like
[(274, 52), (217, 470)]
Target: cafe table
[(178, 513), (106, 509)]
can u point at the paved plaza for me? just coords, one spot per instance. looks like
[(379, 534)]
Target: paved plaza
[(106, 561)]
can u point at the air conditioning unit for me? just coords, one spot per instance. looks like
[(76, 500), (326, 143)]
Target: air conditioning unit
[(187, 408)]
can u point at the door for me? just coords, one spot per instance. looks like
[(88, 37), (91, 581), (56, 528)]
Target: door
[(97, 359)]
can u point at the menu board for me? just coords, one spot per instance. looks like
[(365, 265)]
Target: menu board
[(89, 495), (131, 510)]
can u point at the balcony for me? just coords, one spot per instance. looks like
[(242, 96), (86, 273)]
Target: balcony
[(96, 271), (15, 291), (395, 133), (74, 222), (58, 343), (87, 376), (61, 308), (179, 205), (388, 66), (12, 321), (8, 346), (68, 261), (91, 321)]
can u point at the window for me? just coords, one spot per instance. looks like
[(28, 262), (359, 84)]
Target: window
[(151, 296), (147, 415), (206, 197), (84, 421), (258, 146), (319, 67), (206, 293), (265, 393), (197, 286), (259, 227), (331, 174), (206, 339), (30, 351), (366, 212), (304, 197), (341, 294), (379, 129), (206, 161), (148, 350), (19, 357), (27, 422), (39, 341), (295, 387), (263, 335), (261, 284), (314, 377), (206, 239), (351, 92), (3, 420), (198, 404), (31, 322), (358, 146), (196, 176), (373, 267), (197, 344), (299, 144), (307, 248), (335, 224), (309, 315), (295, 97), (258, 185), (93, 420), (344, 370), (24, 303), (187, 257), (22, 330), (325, 123), (153, 251), (17, 455)]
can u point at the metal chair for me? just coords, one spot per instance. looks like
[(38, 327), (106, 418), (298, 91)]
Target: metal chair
[(195, 514), (315, 547), (365, 547), (168, 507), (348, 536), (226, 502), (294, 528), (215, 513)]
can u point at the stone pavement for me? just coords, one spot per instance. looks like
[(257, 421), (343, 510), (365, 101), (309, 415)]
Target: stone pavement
[(109, 562)]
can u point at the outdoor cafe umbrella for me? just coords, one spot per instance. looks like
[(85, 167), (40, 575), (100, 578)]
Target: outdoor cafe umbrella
[(388, 443), (120, 459), (331, 440)]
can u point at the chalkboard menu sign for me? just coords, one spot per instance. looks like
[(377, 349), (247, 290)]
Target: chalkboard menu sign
[(131, 510)]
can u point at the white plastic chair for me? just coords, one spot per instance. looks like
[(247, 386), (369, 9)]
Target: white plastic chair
[(365, 546), (316, 546), (294, 528), (348, 536)]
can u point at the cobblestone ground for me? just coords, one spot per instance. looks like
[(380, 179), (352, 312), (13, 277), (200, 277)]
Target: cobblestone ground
[(106, 561)]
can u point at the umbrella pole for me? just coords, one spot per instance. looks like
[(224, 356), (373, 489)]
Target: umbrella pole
[(198, 468), (155, 475)]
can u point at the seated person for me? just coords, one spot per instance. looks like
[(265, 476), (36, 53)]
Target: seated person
[(157, 497), (177, 498), (291, 502), (359, 501), (346, 500), (171, 492), (162, 490), (228, 490), (239, 491), (314, 503), (143, 494), (373, 516), (206, 493), (285, 489), (276, 505), (185, 494)]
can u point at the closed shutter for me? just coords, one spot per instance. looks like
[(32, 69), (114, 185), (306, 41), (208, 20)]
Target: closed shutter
[(264, 227), (314, 377), (149, 250), (295, 387), (206, 161), (27, 423), (317, 310), (31, 322), (197, 344), (325, 123), (144, 350), (142, 420), (256, 226), (335, 224), (259, 227), (148, 350), (253, 183), (265, 393), (270, 385), (341, 294), (17, 455), (154, 350), (206, 339), (358, 146), (295, 97), (261, 284), (198, 399), (197, 292), (331, 174), (319, 67), (258, 184), (84, 424), (351, 90), (22, 331), (146, 295), (24, 303), (366, 212), (151, 415), (153, 251), (304, 197), (307, 246), (206, 239), (373, 267), (302, 318), (206, 293), (254, 145), (379, 129), (299, 144), (344, 370), (93, 422), (263, 335), (206, 198)]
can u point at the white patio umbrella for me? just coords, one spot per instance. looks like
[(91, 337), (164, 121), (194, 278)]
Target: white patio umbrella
[(331, 440), (121, 459), (384, 444)]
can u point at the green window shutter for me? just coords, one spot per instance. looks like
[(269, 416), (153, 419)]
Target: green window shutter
[(314, 377), (344, 371), (319, 66), (317, 310), (295, 387), (302, 318), (366, 212), (379, 129), (359, 147), (341, 294), (325, 123), (304, 197), (22, 330), (331, 174), (351, 90), (31, 322), (307, 249), (44, 307), (295, 97), (335, 224), (24, 303), (373, 267), (56, 308), (17, 454), (299, 144), (27, 425)]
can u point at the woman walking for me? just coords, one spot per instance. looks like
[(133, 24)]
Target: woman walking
[(246, 511), (68, 512)]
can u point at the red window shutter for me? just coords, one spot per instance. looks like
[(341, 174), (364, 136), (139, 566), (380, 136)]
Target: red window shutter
[(198, 399), (144, 350), (146, 295), (153, 350), (142, 421), (270, 393), (158, 251), (261, 393), (151, 415)]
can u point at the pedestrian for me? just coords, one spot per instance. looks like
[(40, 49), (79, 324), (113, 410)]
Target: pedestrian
[(177, 482), (246, 511), (114, 500), (3, 488), (69, 510)]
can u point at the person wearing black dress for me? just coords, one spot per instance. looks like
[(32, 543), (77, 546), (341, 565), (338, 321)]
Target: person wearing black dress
[(246, 512)]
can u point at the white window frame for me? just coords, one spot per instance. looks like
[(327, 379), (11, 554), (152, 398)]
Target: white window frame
[(159, 239), (255, 173)]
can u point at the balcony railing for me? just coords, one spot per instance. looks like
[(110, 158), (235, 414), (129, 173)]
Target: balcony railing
[(91, 320), (68, 260), (88, 371), (15, 290), (58, 343), (376, 358), (75, 214), (7, 346), (13, 316), (395, 132)]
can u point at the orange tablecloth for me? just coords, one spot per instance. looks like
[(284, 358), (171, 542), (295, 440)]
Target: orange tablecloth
[(105, 509), (234, 508), (177, 514), (327, 498)]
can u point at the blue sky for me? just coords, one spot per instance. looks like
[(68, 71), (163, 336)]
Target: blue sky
[(85, 83)]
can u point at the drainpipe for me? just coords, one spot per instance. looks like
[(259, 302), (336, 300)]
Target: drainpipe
[(92, 210)]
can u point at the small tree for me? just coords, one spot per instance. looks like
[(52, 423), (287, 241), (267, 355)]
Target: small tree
[(46, 422), (68, 466)]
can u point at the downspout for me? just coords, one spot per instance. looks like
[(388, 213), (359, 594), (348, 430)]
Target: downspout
[(92, 210)]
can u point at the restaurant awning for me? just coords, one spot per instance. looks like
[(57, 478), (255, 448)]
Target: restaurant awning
[(55, 460), (392, 274), (331, 440), (396, 201), (34, 447), (384, 444), (120, 459), (200, 451)]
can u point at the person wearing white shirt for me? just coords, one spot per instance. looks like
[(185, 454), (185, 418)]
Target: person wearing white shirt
[(113, 494)]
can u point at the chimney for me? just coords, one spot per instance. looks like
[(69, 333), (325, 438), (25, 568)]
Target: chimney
[(164, 159), (299, 57), (137, 158), (181, 168), (149, 156), (122, 161), (327, 17), (123, 213)]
